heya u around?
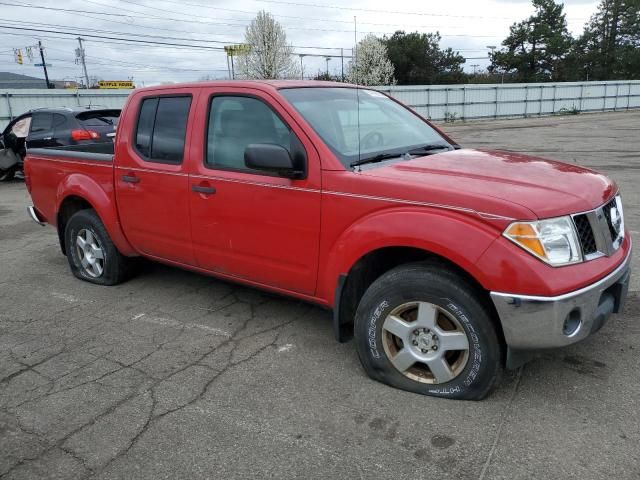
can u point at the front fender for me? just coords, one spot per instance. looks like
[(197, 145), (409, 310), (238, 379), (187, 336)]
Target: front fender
[(459, 237), (102, 201)]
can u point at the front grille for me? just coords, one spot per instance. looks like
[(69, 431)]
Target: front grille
[(606, 210), (598, 231), (585, 234)]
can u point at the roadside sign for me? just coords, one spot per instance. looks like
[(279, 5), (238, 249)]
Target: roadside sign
[(116, 84), (235, 50)]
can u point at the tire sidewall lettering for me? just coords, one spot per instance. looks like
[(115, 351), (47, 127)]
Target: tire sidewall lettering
[(474, 363)]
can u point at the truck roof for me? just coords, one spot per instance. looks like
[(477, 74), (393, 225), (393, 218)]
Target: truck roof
[(261, 84)]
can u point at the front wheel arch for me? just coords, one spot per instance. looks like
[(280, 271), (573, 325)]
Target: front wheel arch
[(351, 287)]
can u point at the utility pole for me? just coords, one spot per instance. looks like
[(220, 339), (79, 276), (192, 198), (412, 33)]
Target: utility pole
[(327, 59), (44, 64), (302, 55), (82, 60), (475, 65), (342, 63)]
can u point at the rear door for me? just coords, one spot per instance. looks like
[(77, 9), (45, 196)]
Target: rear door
[(152, 185), (248, 223), (41, 131)]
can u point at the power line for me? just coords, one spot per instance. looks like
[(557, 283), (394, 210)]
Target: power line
[(211, 22), (121, 40), (337, 7), (357, 9)]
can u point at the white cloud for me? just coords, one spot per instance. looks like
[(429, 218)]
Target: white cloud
[(466, 25)]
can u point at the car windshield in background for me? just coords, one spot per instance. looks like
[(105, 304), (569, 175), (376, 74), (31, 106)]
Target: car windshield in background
[(99, 118), (387, 129)]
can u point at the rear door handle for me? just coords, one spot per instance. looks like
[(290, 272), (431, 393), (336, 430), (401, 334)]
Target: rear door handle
[(130, 179), (203, 189)]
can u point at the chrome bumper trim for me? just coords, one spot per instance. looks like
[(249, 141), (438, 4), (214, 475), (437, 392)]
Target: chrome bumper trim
[(34, 215), (536, 322)]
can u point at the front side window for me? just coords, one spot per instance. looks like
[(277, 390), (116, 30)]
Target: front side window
[(237, 122), (162, 128), (361, 123)]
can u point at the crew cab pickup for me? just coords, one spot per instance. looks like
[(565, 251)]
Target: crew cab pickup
[(445, 264)]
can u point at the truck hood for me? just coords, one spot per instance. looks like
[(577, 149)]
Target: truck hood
[(496, 181)]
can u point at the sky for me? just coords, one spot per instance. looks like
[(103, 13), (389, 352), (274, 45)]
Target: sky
[(314, 27)]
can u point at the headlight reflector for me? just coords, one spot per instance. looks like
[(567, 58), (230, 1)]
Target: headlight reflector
[(553, 241)]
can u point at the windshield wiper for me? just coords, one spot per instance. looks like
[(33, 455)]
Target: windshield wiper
[(428, 148), (376, 158), (425, 149)]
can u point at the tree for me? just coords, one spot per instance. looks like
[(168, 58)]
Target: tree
[(536, 47), (610, 45), (371, 66), (418, 59), (269, 55)]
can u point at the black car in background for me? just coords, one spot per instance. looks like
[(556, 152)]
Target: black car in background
[(53, 127)]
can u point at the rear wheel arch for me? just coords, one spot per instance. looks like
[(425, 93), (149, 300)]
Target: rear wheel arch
[(79, 192), (68, 207)]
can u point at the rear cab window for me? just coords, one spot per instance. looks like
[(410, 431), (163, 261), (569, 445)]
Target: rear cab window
[(161, 128)]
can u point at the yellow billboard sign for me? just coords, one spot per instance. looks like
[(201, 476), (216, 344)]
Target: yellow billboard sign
[(117, 84), (235, 50)]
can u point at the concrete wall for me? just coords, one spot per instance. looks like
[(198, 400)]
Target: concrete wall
[(435, 101)]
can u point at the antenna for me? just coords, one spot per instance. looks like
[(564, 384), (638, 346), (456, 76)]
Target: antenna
[(355, 77)]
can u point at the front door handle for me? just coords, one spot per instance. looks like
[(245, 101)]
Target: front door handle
[(130, 179), (203, 189)]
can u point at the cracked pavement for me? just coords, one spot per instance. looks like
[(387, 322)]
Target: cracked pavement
[(176, 375)]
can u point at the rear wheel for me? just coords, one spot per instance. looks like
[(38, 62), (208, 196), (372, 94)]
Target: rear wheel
[(423, 328), (91, 254), (7, 175)]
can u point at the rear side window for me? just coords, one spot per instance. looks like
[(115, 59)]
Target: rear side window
[(41, 123), (162, 127), (145, 126), (60, 124)]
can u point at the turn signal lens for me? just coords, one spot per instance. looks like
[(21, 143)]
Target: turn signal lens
[(527, 237), (553, 241)]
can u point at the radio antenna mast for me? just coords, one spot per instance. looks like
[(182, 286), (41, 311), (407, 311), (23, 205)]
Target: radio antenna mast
[(355, 77)]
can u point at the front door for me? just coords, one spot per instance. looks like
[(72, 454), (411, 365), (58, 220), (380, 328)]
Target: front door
[(151, 180), (248, 223)]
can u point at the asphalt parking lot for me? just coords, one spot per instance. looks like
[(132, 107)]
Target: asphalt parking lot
[(175, 375)]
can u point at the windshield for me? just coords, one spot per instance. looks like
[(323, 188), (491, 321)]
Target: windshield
[(385, 126)]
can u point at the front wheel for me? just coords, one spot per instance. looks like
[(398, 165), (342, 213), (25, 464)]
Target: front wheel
[(422, 328), (92, 255)]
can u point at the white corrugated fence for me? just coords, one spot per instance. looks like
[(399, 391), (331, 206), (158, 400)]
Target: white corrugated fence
[(438, 102)]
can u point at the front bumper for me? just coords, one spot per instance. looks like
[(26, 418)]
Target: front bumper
[(531, 322)]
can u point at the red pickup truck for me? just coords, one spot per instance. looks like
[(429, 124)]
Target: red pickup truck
[(445, 264)]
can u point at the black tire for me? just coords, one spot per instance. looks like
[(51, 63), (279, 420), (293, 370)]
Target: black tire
[(7, 175), (115, 267), (458, 302)]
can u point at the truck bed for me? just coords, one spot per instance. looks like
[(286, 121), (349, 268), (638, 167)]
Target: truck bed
[(49, 171)]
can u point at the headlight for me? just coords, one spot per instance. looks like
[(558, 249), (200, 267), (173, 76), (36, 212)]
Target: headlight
[(553, 241)]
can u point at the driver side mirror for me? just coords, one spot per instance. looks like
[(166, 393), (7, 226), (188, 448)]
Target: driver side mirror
[(272, 158)]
